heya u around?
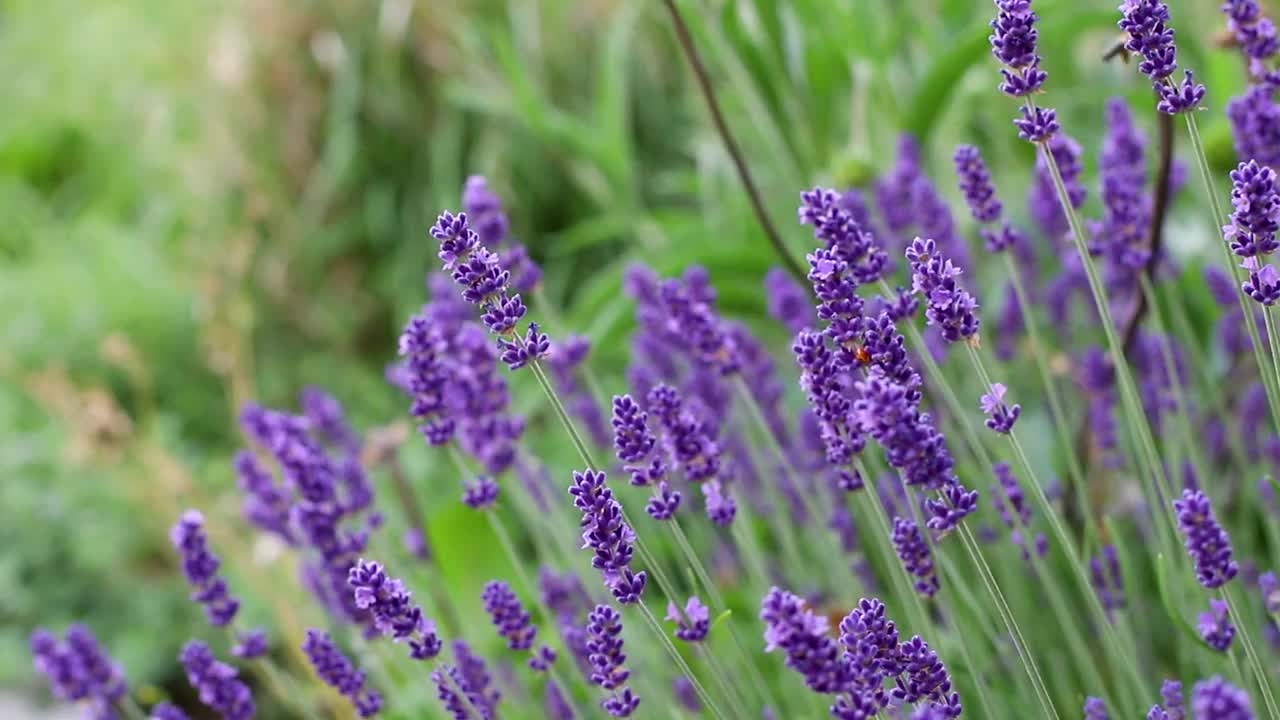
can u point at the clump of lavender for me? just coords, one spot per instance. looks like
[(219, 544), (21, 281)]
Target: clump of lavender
[(167, 711), (485, 284), (216, 683), (947, 305), (1207, 543), (485, 209), (1013, 43), (338, 672), (1000, 416), (1106, 578), (1254, 33), (1147, 24), (1123, 170), (910, 545), (1215, 626), (788, 303), (481, 493), (608, 535), (1011, 503), (1173, 708), (1095, 709), (637, 447), (77, 669), (1217, 699), (604, 641), (693, 624), (201, 565), (984, 205), (802, 636), (392, 608), (1252, 232)]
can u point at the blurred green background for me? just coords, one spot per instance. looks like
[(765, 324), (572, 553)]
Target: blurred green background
[(203, 203)]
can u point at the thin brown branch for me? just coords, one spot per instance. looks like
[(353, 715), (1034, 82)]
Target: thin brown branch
[(1155, 237), (731, 145)]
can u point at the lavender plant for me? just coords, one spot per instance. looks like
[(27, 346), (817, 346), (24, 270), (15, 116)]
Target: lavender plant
[(792, 511)]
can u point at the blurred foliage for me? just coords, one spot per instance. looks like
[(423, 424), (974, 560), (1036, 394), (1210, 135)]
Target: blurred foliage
[(205, 203)]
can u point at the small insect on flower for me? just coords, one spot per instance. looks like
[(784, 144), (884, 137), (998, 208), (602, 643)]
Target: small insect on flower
[(863, 355)]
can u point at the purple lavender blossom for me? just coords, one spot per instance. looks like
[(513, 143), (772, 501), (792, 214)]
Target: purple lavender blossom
[(693, 623), (1206, 542), (1106, 578), (924, 677), (1174, 705), (1123, 170), (391, 606), (608, 535), (604, 633), (975, 184), (722, 508), (1269, 586), (556, 706), (634, 443), (1263, 283), (1011, 503), (842, 235), (1215, 626), (251, 644), (1000, 416), (513, 622), (802, 635), (689, 442), (201, 565), (266, 503), (1095, 709), (822, 382), (788, 303), (215, 682), (1255, 125), (485, 210), (423, 344), (60, 667), (1254, 33), (1221, 286), (685, 694), (1216, 699), (481, 493), (167, 711), (101, 675), (665, 502), (949, 306), (1256, 215), (1014, 45), (333, 667), (476, 679), (1037, 124), (520, 352), (916, 558), (893, 191), (1147, 24)]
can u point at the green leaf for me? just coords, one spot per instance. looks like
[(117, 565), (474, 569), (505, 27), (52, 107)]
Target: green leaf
[(1166, 599)]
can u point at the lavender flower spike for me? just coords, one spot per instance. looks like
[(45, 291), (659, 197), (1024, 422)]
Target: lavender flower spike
[(1206, 541), (604, 641), (513, 622), (606, 532), (1000, 417), (392, 608), (1215, 626), (1147, 23), (910, 545), (802, 636), (975, 183), (1255, 197), (1095, 709), (201, 568), (333, 667), (1013, 42), (694, 623), (950, 307), (1216, 699), (167, 711), (215, 682)]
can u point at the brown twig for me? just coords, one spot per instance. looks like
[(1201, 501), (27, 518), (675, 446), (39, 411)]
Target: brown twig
[(731, 146)]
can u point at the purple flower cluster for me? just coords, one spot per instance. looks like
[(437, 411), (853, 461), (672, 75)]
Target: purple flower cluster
[(802, 635), (392, 609), (947, 305), (980, 195), (167, 711), (513, 622), (216, 683), (1147, 24), (608, 535), (1254, 33), (635, 444), (787, 301), (1106, 578), (689, 442), (1174, 707), (1255, 124), (1269, 587), (1014, 45), (693, 624), (200, 565), (912, 549), (422, 345), (484, 207), (481, 493), (471, 677), (1206, 541), (1255, 220), (77, 669), (604, 641), (1215, 626), (1011, 503), (1000, 416), (564, 363), (1095, 709), (1123, 169), (1217, 699), (333, 667), (844, 238)]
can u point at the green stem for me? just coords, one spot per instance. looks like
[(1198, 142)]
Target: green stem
[(657, 629), (1259, 669)]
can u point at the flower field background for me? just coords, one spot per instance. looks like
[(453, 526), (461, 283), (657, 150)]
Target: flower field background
[(210, 210)]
